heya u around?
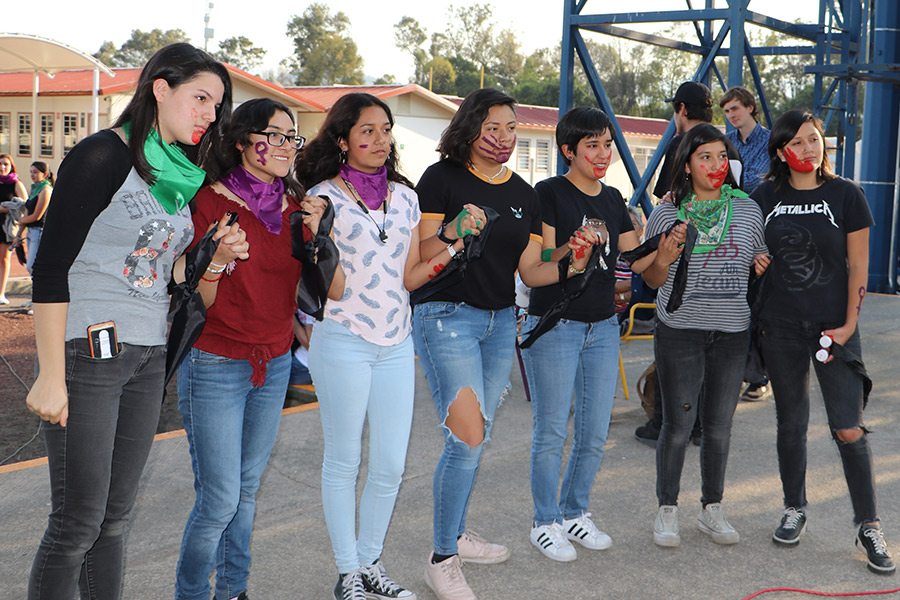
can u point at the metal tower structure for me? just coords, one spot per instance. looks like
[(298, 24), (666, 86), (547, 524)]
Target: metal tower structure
[(849, 44)]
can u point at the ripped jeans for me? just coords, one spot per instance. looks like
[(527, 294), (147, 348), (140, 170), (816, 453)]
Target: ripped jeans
[(788, 347), (461, 346)]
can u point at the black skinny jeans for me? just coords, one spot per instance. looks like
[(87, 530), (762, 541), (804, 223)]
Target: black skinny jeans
[(788, 346), (690, 364), (95, 466)]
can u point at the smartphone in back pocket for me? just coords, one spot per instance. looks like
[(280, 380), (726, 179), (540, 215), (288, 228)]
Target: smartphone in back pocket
[(102, 337)]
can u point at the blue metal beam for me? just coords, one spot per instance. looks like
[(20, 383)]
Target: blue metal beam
[(715, 14), (646, 38)]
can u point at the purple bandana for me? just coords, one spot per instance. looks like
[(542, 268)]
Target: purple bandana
[(263, 199), (9, 178), (371, 187)]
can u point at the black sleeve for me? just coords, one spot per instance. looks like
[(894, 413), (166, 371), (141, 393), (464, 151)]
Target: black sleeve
[(664, 181), (547, 197), (88, 177)]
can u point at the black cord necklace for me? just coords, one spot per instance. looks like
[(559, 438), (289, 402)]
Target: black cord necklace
[(382, 234)]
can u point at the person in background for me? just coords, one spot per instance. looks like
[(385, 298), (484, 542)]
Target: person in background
[(118, 222), (816, 287), (38, 201), (624, 274), (10, 187), (749, 137), (752, 142), (303, 326), (692, 106)]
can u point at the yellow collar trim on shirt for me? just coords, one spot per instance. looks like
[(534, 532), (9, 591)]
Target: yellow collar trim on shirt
[(507, 174)]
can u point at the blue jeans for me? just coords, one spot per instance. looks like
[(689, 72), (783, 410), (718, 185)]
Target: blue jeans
[(95, 466), (788, 346), (34, 242), (692, 364), (572, 357), (356, 379), (461, 346), (299, 372), (231, 428)]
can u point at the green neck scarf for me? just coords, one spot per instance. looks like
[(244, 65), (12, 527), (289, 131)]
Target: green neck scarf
[(711, 217), (177, 178), (37, 187)]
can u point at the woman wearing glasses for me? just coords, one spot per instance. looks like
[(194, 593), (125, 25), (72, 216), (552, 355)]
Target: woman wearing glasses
[(231, 387)]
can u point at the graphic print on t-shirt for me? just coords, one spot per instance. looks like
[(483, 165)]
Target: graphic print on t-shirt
[(728, 281), (799, 263), (820, 208)]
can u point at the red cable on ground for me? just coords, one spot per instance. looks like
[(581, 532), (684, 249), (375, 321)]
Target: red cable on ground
[(815, 593)]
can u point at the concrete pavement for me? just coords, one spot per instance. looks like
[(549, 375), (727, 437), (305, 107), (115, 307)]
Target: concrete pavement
[(292, 556)]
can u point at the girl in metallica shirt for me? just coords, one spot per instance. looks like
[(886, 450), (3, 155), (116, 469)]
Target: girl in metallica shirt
[(817, 229), (232, 384)]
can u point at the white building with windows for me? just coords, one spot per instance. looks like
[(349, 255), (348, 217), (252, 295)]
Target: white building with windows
[(65, 117)]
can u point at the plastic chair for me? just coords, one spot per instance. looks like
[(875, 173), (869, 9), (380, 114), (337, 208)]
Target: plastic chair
[(627, 337)]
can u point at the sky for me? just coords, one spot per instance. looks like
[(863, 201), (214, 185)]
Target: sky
[(86, 24)]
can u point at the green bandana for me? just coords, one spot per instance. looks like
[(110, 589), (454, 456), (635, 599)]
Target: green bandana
[(711, 217), (37, 187), (177, 178)]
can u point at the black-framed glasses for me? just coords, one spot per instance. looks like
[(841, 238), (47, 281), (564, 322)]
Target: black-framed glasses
[(277, 139)]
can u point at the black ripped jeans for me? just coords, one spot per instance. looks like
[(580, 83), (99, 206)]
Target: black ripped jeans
[(692, 364), (788, 347)]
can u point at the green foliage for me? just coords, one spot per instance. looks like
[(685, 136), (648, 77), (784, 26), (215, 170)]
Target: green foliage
[(386, 79), (139, 48), (324, 54), (241, 53), (441, 75)]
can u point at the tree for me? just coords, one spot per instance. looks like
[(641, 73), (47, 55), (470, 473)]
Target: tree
[(440, 76), (385, 79), (139, 48), (323, 52), (470, 35), (507, 61), (409, 37), (241, 53)]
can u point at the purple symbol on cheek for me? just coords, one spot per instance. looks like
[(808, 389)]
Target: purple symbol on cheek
[(363, 146), (262, 149)]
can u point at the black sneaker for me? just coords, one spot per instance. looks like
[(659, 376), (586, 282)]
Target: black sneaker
[(871, 538), (793, 523), (350, 586), (756, 392), (381, 587), (647, 434)]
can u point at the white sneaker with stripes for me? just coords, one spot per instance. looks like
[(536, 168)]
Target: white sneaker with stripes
[(552, 542), (582, 530)]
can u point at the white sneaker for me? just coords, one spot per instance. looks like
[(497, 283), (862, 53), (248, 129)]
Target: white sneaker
[(446, 579), (552, 542), (4, 300), (665, 529), (712, 522), (582, 530), (475, 549)]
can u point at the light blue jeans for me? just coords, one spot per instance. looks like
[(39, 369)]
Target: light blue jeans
[(33, 237), (580, 358), (461, 346), (356, 379), (231, 427)]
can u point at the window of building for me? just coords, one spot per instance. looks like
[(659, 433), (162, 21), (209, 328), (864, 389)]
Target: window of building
[(542, 156), (4, 132), (642, 156), (24, 135), (70, 132), (47, 135), (523, 155)]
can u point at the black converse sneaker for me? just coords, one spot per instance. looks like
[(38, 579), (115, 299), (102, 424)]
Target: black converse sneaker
[(379, 586), (871, 538), (793, 523), (350, 586)]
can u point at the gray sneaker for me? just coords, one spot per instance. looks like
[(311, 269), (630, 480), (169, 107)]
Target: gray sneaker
[(712, 522), (665, 529)]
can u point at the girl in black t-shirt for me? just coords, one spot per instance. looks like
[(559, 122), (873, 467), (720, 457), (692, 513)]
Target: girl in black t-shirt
[(579, 355), (465, 334), (817, 229)]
